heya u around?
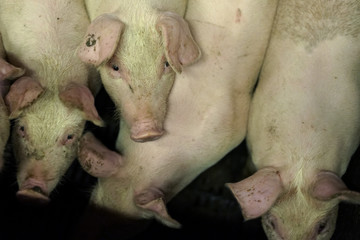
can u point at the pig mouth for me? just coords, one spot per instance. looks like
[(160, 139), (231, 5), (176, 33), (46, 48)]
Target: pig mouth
[(33, 192)]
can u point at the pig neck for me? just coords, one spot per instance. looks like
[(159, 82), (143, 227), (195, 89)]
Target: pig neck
[(46, 49), (306, 115)]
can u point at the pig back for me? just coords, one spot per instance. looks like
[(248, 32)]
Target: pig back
[(121, 7), (42, 37), (233, 39), (308, 94)]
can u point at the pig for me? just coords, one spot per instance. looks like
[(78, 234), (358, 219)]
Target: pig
[(51, 101), (304, 121), (207, 114), (139, 47), (7, 72)]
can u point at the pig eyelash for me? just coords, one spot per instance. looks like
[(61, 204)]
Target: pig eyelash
[(167, 68)]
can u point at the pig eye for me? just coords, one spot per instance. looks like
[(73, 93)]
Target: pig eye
[(115, 67), (322, 227), (68, 139), (22, 131), (271, 221), (167, 68), (272, 224)]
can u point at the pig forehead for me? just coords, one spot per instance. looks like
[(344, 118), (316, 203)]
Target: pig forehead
[(51, 117), (140, 47)]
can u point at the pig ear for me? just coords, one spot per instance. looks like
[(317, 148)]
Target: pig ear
[(152, 202), (257, 193), (180, 48), (95, 158), (22, 93), (80, 96), (101, 39), (8, 71), (329, 186)]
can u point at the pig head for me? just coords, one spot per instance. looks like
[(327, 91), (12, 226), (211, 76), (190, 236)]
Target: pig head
[(47, 127), (288, 209), (7, 72), (138, 61)]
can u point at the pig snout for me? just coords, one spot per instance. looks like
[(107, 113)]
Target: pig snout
[(33, 191), (143, 131)]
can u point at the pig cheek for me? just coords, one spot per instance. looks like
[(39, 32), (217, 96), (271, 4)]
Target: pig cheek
[(19, 147), (115, 87), (122, 96), (68, 148), (162, 92)]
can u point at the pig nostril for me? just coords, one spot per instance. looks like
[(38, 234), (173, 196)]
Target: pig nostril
[(148, 136), (38, 190)]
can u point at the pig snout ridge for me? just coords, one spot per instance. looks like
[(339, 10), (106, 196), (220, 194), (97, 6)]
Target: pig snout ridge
[(146, 131), (33, 192)]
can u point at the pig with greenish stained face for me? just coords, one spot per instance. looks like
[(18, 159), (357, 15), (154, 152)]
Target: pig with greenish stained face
[(139, 46), (7, 72), (207, 114), (52, 101), (304, 122)]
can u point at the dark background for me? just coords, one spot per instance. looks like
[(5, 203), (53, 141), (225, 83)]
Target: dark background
[(206, 208)]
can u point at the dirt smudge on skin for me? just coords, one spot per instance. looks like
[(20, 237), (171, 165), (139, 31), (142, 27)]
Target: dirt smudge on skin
[(238, 15)]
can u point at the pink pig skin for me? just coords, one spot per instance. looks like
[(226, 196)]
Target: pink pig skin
[(7, 72), (304, 120), (207, 114), (139, 47), (52, 101)]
